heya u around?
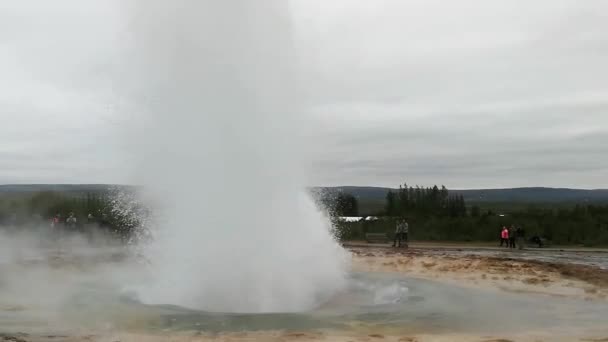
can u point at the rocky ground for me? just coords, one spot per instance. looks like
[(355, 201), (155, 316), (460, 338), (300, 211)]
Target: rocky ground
[(463, 269), (504, 273)]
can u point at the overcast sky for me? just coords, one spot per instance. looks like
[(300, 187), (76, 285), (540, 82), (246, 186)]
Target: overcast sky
[(470, 94)]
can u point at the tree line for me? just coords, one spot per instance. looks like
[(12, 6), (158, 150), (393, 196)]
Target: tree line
[(435, 214), (107, 210), (425, 201)]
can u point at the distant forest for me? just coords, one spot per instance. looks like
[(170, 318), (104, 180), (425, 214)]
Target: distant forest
[(435, 213), (107, 208)]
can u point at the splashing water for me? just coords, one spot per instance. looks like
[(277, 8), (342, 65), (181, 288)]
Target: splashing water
[(220, 145)]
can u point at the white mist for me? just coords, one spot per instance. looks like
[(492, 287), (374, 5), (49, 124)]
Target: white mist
[(219, 143)]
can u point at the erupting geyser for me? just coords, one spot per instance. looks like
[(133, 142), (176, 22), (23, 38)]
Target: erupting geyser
[(220, 144)]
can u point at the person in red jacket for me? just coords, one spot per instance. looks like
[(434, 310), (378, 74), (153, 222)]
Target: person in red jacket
[(504, 237), (55, 221)]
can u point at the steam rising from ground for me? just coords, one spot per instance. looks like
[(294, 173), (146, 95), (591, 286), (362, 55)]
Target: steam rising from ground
[(219, 145), (48, 278)]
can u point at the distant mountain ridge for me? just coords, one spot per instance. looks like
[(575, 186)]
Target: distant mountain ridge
[(78, 190), (535, 195), (24, 188), (370, 193), (522, 195)]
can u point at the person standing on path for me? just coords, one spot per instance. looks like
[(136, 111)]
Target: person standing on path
[(512, 237), (504, 237), (520, 234), (71, 222), (401, 232)]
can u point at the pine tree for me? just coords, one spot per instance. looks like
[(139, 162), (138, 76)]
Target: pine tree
[(404, 202), (391, 203)]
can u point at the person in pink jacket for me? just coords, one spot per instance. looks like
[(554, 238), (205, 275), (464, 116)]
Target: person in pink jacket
[(504, 237)]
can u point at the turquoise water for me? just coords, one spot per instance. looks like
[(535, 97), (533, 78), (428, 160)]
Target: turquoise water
[(87, 292), (386, 301)]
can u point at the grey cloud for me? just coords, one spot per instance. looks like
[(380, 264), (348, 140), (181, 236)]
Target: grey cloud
[(484, 95), (465, 93)]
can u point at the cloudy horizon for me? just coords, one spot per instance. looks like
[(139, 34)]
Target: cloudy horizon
[(470, 94)]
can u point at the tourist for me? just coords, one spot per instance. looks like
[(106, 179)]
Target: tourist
[(537, 240), (401, 232), (504, 237), (55, 221), (520, 234), (405, 233), (512, 236), (56, 228), (71, 222)]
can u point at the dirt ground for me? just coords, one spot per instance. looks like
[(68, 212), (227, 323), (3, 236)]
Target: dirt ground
[(500, 274), (505, 274), (328, 336)]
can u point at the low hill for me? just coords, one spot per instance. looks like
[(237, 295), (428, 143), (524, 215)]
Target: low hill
[(378, 194), (520, 195), (65, 188), (535, 195)]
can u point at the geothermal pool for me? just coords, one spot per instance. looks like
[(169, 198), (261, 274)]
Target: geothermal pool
[(90, 289), (401, 304)]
